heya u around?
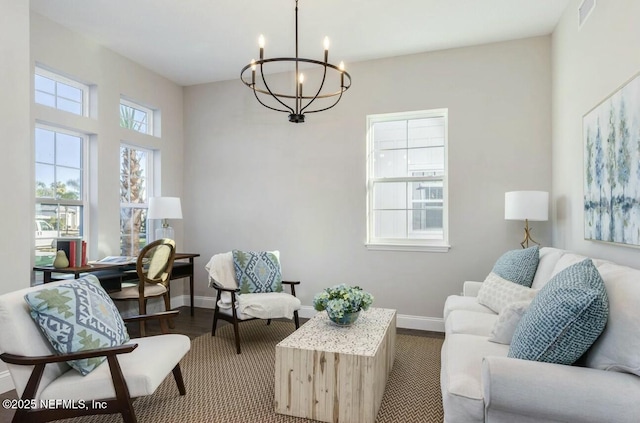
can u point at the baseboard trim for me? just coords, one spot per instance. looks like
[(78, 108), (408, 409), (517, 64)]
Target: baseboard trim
[(405, 321), (6, 383)]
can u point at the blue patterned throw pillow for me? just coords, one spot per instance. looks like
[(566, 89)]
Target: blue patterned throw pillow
[(565, 318), (257, 271), (78, 316), (518, 266)]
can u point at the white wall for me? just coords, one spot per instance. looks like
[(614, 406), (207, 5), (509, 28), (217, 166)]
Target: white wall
[(589, 64), (255, 181), (15, 172)]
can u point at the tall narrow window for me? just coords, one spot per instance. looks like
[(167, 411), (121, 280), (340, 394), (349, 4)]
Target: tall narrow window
[(406, 180), (135, 116), (61, 93), (135, 187), (59, 189)]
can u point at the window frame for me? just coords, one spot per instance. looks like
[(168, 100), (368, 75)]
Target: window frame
[(408, 243), (137, 106), (58, 78)]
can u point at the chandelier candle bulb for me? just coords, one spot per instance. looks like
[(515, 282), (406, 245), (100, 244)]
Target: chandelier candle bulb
[(261, 45), (326, 49), (341, 67), (253, 72)]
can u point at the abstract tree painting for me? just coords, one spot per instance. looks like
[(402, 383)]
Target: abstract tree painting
[(611, 134)]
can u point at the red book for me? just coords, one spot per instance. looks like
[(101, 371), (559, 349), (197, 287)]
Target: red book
[(72, 254), (84, 253)]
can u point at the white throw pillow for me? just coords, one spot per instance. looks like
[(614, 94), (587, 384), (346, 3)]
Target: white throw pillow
[(496, 293), (508, 319)]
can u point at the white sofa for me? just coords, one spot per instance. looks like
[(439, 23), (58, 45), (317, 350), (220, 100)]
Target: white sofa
[(481, 384)]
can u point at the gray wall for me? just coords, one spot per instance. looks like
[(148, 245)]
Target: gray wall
[(255, 181), (589, 64)]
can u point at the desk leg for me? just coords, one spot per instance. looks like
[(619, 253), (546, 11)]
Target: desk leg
[(46, 277), (191, 285)]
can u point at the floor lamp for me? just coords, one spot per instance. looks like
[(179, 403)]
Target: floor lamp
[(526, 205), (164, 208)]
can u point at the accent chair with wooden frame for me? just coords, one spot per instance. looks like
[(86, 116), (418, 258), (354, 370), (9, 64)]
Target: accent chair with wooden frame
[(153, 266), (39, 373), (222, 279)]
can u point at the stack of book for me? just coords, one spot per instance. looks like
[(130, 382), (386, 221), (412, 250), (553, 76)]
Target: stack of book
[(75, 249)]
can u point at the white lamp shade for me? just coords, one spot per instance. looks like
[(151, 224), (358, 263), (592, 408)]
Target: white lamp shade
[(164, 208), (526, 205)]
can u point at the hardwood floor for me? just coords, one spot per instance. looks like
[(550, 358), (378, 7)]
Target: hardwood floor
[(193, 327)]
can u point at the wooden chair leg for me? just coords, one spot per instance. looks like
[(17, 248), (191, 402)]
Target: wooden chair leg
[(296, 319), (167, 307), (268, 322), (142, 307), (236, 331), (125, 405), (177, 375), (215, 315)]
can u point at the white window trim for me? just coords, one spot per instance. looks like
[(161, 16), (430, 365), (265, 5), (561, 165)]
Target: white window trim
[(150, 114), (405, 244), (68, 81)]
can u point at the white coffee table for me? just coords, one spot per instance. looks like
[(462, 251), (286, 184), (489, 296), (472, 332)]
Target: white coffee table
[(336, 374)]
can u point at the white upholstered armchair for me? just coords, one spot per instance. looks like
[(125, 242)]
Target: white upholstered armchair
[(40, 371)]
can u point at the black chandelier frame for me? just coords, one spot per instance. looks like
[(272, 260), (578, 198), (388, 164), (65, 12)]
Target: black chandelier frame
[(297, 112)]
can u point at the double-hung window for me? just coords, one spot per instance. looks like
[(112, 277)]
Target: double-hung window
[(60, 194), (135, 189), (407, 181)]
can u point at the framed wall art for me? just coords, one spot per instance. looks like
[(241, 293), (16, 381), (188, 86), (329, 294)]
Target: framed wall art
[(611, 133)]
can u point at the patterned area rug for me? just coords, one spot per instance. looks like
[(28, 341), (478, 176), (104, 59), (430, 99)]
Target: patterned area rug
[(225, 387)]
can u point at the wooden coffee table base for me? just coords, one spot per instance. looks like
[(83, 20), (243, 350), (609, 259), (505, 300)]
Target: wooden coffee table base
[(335, 374)]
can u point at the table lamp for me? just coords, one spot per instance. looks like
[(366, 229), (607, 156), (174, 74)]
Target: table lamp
[(164, 208), (526, 205)]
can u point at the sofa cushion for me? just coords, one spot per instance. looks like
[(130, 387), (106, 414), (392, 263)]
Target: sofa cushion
[(618, 348), (518, 266), (470, 322), (257, 271), (565, 318), (548, 259), (507, 321), (459, 302), (496, 292), (78, 316)]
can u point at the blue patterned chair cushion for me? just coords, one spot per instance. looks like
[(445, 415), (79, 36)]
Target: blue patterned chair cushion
[(518, 266), (565, 318), (78, 316), (257, 271)]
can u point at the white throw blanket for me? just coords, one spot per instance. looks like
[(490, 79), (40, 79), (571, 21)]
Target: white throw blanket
[(221, 271), (268, 305)]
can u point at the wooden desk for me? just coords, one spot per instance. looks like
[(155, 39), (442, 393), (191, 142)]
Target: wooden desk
[(114, 274)]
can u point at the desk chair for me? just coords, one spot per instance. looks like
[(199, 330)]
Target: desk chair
[(153, 267)]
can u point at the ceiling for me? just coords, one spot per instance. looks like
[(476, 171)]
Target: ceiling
[(198, 41)]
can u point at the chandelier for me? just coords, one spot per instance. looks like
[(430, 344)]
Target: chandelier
[(297, 104)]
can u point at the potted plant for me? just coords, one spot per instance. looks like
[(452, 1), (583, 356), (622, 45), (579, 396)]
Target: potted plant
[(343, 303)]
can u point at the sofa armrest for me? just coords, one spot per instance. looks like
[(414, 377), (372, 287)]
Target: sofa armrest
[(555, 392), (471, 288)]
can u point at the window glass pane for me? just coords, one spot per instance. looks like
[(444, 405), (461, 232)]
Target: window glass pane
[(133, 230), (69, 92), (68, 184), (428, 160), (44, 146), (69, 106), (425, 132), (390, 195), (45, 99), (68, 150), (390, 223), (45, 179), (45, 84), (390, 135), (390, 163), (54, 221)]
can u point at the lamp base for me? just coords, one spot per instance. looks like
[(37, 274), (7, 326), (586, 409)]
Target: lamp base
[(165, 232), (527, 235)]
